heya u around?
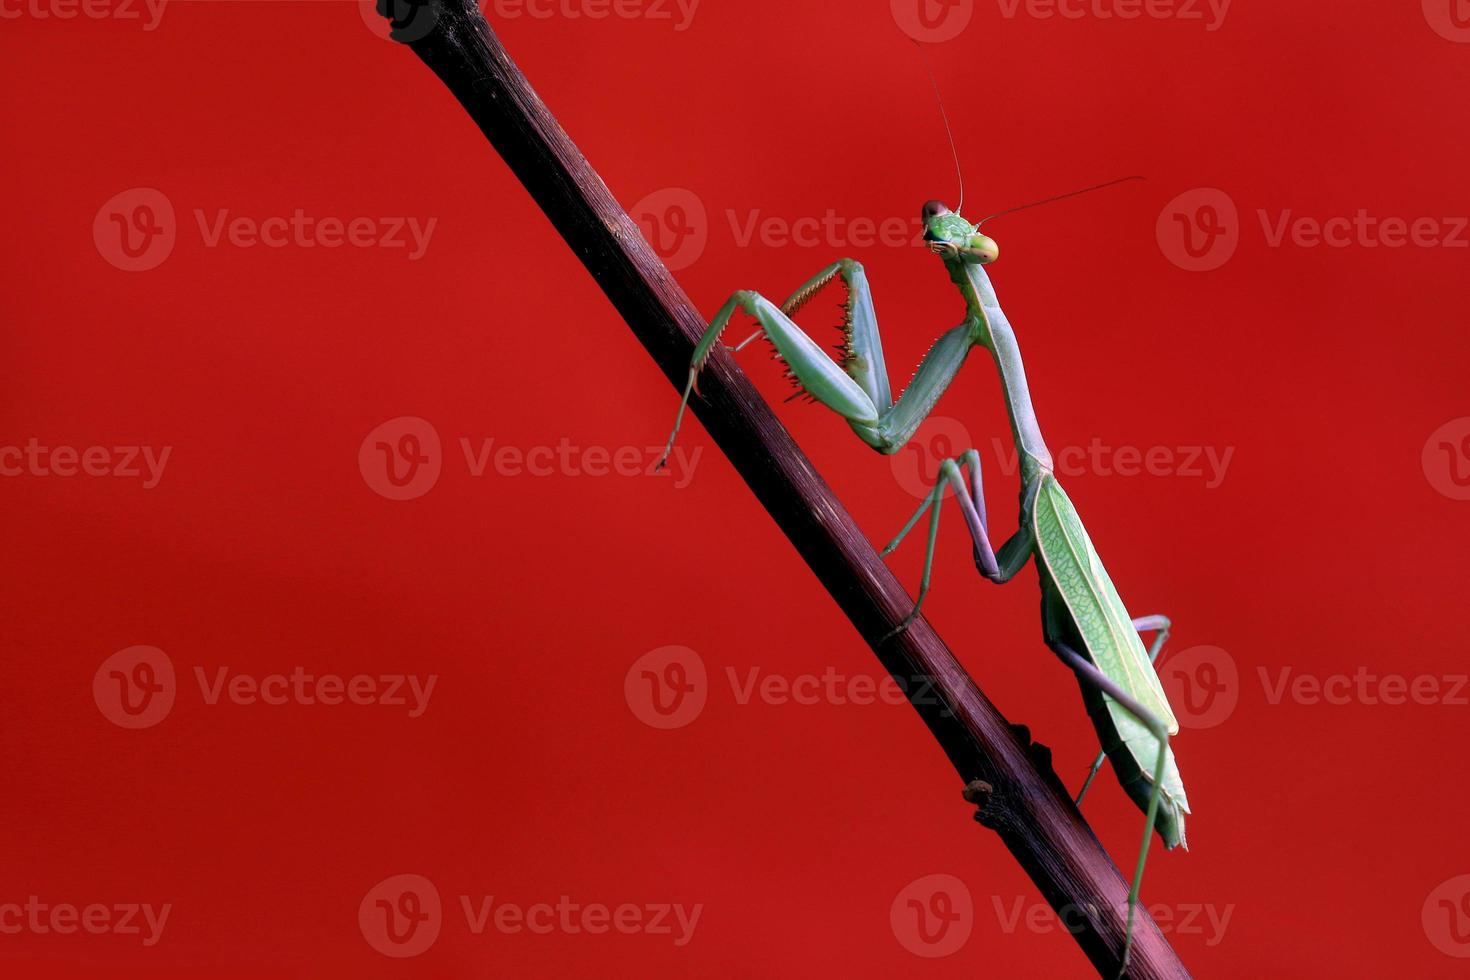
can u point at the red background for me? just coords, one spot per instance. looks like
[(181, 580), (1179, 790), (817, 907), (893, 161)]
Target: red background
[(1326, 548)]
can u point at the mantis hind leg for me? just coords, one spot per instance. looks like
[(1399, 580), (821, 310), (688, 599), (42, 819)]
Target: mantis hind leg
[(1088, 674), (998, 567), (1159, 626)]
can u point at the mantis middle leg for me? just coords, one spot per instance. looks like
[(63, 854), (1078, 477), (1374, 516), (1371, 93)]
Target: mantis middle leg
[(997, 566)]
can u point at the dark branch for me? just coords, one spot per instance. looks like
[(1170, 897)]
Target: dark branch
[(1019, 795)]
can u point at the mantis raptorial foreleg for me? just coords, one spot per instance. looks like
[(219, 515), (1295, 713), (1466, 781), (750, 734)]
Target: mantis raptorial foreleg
[(856, 387), (1159, 626)]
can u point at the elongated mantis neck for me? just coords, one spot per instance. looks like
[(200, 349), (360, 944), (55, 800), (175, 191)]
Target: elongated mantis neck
[(994, 332)]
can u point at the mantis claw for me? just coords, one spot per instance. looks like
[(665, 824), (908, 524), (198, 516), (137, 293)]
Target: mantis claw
[(900, 628)]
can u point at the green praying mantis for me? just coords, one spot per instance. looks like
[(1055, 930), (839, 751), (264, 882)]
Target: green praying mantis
[(1084, 621)]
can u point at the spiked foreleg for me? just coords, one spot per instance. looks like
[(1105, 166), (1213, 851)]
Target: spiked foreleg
[(808, 364), (856, 384)]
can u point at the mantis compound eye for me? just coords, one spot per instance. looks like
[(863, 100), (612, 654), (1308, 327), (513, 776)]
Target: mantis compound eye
[(932, 209), (985, 245)]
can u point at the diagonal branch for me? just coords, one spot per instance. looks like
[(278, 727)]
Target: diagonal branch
[(1021, 799)]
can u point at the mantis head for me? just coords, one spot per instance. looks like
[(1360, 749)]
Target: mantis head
[(942, 225)]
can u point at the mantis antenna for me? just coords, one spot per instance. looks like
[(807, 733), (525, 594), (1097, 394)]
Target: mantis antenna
[(1059, 197), (959, 174)]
